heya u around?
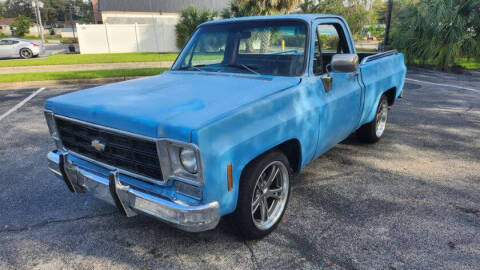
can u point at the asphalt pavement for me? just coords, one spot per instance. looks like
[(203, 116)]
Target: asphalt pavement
[(410, 201)]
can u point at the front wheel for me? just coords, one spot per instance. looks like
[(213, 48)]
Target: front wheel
[(373, 131), (26, 53), (263, 195)]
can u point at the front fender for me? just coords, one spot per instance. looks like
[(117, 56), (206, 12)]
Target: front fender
[(249, 132)]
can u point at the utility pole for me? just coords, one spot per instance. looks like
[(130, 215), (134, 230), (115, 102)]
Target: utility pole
[(388, 21), (38, 15), (71, 18)]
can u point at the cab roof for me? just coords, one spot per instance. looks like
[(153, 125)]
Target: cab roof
[(304, 17)]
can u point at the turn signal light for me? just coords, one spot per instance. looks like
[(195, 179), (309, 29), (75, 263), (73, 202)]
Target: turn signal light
[(230, 177)]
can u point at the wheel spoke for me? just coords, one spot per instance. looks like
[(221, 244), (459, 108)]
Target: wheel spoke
[(272, 176), (263, 209), (255, 204)]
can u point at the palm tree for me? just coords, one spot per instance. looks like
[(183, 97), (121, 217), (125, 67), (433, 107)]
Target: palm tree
[(353, 11), (190, 18), (242, 8), (438, 31)]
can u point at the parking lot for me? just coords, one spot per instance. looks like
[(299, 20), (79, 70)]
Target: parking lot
[(410, 201)]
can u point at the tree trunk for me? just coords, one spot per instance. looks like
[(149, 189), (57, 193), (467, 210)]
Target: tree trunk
[(265, 41)]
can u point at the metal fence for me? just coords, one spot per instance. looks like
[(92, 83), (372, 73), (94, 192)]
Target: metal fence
[(118, 38)]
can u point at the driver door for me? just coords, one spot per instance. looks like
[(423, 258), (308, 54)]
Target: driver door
[(342, 91)]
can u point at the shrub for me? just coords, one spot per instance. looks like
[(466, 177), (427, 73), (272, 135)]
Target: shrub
[(190, 18), (69, 40), (438, 31), (21, 25)]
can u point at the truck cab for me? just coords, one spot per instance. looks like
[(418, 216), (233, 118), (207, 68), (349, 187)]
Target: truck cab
[(248, 103)]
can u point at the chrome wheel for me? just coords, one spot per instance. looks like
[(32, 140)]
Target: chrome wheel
[(270, 195), (381, 119)]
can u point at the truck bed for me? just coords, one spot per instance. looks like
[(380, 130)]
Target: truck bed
[(380, 72)]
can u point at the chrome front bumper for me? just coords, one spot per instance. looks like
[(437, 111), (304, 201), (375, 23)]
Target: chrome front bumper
[(129, 201)]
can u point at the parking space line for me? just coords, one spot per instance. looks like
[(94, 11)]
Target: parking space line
[(446, 85), (16, 107)]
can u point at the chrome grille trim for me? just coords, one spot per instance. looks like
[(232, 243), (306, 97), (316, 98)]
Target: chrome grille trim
[(162, 151), (112, 156)]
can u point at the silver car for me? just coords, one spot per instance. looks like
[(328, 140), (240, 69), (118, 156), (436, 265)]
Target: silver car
[(16, 47)]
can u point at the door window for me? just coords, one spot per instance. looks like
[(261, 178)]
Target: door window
[(330, 40), (328, 37)]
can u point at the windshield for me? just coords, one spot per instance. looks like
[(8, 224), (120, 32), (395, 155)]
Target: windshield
[(255, 47)]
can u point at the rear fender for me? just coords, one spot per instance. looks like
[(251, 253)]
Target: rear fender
[(379, 76)]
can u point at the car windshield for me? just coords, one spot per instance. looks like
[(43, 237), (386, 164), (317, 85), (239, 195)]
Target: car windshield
[(255, 47)]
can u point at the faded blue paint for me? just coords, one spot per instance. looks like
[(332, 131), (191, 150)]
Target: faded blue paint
[(234, 118)]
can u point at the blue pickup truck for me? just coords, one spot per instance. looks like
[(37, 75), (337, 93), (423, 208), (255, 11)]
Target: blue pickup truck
[(247, 104)]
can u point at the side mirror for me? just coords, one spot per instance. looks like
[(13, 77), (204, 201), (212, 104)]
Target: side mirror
[(344, 62)]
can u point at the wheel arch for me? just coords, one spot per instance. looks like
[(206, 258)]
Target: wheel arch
[(391, 94), (290, 148)]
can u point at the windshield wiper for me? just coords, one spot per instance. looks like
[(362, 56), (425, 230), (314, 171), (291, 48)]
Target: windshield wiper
[(191, 67), (244, 67)]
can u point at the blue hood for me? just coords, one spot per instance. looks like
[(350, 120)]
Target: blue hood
[(169, 105)]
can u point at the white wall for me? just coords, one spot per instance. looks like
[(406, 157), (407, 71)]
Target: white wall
[(129, 17), (115, 38)]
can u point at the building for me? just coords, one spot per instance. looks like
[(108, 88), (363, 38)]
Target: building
[(148, 11), (6, 30), (137, 25)]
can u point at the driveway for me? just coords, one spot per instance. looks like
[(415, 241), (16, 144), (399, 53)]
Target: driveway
[(410, 201)]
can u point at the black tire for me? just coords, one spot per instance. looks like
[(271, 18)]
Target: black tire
[(26, 53), (243, 218), (368, 132)]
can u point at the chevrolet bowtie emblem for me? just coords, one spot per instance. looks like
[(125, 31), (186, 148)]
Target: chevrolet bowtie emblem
[(99, 146)]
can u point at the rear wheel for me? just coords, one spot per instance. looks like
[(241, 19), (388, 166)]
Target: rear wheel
[(26, 53), (373, 131), (263, 195)]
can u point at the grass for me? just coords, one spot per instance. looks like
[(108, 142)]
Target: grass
[(78, 59), (468, 63), (462, 62), (47, 37), (88, 74)]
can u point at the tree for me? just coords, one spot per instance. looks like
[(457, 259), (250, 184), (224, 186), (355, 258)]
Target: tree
[(53, 11), (190, 18), (438, 31), (242, 8), (13, 8), (354, 11), (21, 25)]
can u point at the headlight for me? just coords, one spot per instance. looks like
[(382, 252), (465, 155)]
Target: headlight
[(180, 161), (52, 127), (189, 160)]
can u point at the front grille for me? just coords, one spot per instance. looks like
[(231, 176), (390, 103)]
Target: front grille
[(122, 151)]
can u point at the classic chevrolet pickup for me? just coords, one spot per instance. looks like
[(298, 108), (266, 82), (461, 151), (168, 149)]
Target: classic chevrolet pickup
[(247, 103)]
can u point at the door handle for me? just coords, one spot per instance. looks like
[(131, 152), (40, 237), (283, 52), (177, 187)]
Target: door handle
[(327, 81)]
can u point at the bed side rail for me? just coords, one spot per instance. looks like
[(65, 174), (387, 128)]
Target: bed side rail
[(378, 56)]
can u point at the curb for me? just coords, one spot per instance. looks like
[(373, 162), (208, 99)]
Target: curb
[(38, 84), (84, 67)]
